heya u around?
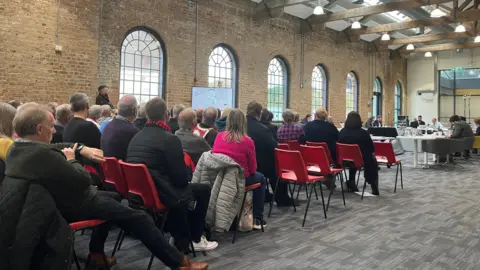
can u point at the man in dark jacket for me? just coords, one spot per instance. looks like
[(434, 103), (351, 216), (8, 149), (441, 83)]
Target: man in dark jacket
[(192, 144), (102, 97), (320, 130), (173, 121), (266, 120), (162, 153), (141, 116), (32, 159), (378, 122), (63, 116), (117, 135), (265, 145)]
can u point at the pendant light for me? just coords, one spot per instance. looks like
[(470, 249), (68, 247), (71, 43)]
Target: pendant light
[(428, 54), (477, 39), (356, 25), (318, 9), (437, 13), (410, 47), (385, 37), (460, 29)]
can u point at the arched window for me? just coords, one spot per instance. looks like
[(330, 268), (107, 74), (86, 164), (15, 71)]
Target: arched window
[(351, 93), (141, 65), (397, 106), (377, 97), (277, 87), (319, 88), (222, 72)]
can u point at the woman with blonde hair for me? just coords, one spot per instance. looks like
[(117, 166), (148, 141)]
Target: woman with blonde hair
[(7, 113), (235, 144)]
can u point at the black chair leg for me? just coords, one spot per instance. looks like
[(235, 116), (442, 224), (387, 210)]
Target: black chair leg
[(150, 262), (308, 202), (341, 185), (396, 179), (121, 241), (273, 199), (315, 189), (358, 177), (323, 201), (117, 243), (364, 187), (291, 194), (239, 217), (76, 260), (298, 191), (401, 175), (331, 192)]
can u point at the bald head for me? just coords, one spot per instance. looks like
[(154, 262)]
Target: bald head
[(106, 111), (127, 107), (187, 119), (209, 116), (35, 123)]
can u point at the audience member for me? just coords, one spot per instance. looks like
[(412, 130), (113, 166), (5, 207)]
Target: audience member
[(436, 124), (94, 113), (7, 113), (141, 116), (206, 128), (15, 103), (235, 144), (320, 130), (307, 119), (463, 118), (221, 122), (369, 122), (79, 129), (192, 144), (378, 122), (52, 106), (105, 116), (476, 121), (118, 134), (199, 113), (353, 133), (102, 97), (161, 151), (290, 130), (330, 120), (265, 145), (266, 119), (414, 123), (420, 122), (68, 184), (173, 121), (63, 116), (461, 129)]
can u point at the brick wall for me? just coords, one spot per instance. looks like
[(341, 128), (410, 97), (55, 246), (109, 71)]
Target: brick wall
[(91, 51)]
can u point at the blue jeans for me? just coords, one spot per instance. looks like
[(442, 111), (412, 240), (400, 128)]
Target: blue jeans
[(258, 194)]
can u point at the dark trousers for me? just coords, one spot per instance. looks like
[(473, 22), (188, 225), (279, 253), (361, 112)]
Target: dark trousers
[(194, 212), (370, 172), (106, 206), (282, 193), (258, 194)]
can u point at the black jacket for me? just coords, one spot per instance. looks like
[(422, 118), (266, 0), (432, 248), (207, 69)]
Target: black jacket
[(58, 136), (477, 132), (273, 128), (462, 129), (140, 123), (362, 138), (162, 153), (265, 145), (173, 124), (323, 131), (103, 100), (377, 123)]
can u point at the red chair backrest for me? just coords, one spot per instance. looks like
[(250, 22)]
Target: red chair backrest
[(349, 152), (385, 149), (188, 161), (114, 176), (283, 146), (291, 161), (90, 169), (316, 155), (325, 147), (140, 183), (292, 144)]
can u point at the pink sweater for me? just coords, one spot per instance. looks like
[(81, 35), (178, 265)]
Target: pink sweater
[(243, 152)]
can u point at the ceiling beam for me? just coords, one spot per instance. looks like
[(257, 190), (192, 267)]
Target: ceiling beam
[(446, 47), (371, 10), (427, 38), (464, 16), (272, 4), (465, 4)]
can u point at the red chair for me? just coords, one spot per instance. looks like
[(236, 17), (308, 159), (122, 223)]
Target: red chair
[(283, 146), (385, 155), (250, 188), (291, 169), (80, 226), (188, 161), (142, 194), (325, 147), (352, 153), (292, 144), (317, 156)]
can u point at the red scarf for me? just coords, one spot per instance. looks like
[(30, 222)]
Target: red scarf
[(159, 123)]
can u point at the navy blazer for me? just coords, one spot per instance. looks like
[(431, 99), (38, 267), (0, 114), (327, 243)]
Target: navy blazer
[(323, 131)]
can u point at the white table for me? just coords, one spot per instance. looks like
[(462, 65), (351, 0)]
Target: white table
[(382, 138), (415, 146)]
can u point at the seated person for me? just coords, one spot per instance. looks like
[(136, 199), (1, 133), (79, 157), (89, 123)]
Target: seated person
[(414, 123), (320, 130), (378, 122), (221, 122), (192, 144), (7, 113), (461, 129), (94, 113), (420, 122), (106, 115), (206, 128), (266, 120), (290, 130), (63, 116), (353, 133), (117, 135), (141, 116), (235, 144), (436, 124), (476, 121), (369, 122), (69, 184), (162, 153), (173, 121)]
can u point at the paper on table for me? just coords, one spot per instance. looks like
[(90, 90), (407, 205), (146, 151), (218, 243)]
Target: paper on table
[(366, 194)]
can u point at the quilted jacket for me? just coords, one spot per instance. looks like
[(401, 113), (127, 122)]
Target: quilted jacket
[(227, 181)]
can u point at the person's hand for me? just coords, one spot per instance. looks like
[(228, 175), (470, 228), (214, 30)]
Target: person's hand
[(70, 152), (92, 154)]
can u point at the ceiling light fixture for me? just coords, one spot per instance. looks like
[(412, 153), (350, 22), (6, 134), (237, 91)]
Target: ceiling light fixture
[(428, 54), (319, 9), (410, 47), (437, 13), (460, 29), (477, 39), (356, 25), (385, 37)]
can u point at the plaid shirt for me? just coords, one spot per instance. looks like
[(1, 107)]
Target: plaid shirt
[(289, 132)]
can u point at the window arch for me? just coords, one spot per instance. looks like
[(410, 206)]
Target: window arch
[(277, 87), (319, 88), (142, 65), (397, 106), (351, 92), (222, 71), (377, 97)]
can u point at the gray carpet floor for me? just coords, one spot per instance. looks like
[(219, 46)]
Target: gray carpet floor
[(433, 223)]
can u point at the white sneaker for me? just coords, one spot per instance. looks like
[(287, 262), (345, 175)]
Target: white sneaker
[(205, 245)]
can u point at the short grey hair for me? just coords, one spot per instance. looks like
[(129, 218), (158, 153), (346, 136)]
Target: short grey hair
[(156, 109), (95, 112), (209, 116), (127, 106), (79, 102), (288, 116), (141, 110), (187, 119), (177, 109), (106, 110), (63, 113), (26, 120)]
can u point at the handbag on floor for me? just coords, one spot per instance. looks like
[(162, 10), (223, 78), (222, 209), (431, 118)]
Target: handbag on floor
[(246, 220)]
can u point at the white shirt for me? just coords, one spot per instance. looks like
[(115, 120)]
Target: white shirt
[(438, 125)]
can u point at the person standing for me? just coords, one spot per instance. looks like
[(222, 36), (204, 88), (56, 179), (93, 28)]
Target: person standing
[(102, 97)]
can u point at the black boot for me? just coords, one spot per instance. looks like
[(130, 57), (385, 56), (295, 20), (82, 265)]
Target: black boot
[(352, 187), (374, 186)]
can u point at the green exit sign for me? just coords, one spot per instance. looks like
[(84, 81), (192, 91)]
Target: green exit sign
[(458, 69)]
